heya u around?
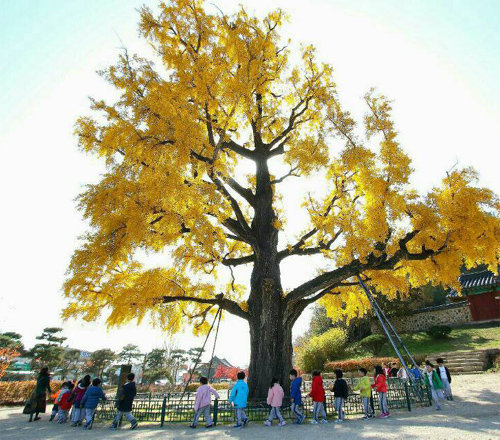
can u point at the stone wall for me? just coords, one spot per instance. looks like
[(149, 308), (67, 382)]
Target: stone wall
[(452, 315)]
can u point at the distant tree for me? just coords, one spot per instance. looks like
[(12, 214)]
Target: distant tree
[(320, 349), (320, 322), (225, 372), (71, 363), (101, 360), (11, 340), (43, 355), (179, 358), (374, 343), (158, 366), (356, 328), (129, 353), (7, 355), (52, 335), (50, 352), (193, 355)]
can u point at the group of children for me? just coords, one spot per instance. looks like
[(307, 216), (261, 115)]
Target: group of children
[(84, 399), (86, 395), (437, 380)]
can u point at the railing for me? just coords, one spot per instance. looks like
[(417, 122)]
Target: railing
[(169, 408)]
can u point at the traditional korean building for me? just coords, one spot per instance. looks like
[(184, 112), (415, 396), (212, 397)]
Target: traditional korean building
[(482, 290), (203, 369)]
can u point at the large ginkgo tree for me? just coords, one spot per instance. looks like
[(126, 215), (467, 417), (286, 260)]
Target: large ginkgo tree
[(222, 98)]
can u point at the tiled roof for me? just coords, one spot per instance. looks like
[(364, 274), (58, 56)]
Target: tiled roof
[(483, 279)]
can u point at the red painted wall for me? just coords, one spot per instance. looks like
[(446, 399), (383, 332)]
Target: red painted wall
[(484, 306)]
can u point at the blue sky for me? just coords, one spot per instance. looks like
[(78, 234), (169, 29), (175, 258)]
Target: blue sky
[(438, 60), (42, 40)]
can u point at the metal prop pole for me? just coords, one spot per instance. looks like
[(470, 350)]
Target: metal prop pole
[(384, 327)]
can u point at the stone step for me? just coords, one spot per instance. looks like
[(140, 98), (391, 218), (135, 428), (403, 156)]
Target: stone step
[(462, 362), (454, 367), (465, 369), (459, 355), (466, 366), (457, 358)]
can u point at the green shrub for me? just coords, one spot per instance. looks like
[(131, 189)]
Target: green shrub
[(373, 343), (439, 331), (320, 349), (419, 358)]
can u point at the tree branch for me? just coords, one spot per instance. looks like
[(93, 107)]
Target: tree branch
[(289, 174), (227, 304), (381, 261), (297, 249), (238, 261), (245, 228), (242, 151), (239, 233), (296, 113), (246, 193)]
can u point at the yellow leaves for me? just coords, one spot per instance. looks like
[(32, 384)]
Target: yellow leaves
[(375, 209), (167, 138)]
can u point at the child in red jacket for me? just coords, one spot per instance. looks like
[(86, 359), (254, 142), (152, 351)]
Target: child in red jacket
[(64, 402), (318, 396), (380, 386)]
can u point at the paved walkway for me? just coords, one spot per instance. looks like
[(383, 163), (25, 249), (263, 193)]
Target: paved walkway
[(474, 414)]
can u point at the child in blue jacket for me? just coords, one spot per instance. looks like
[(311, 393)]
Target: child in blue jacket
[(296, 396), (238, 397), (91, 400)]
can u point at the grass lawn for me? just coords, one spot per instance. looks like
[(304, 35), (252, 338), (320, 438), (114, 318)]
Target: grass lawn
[(460, 339)]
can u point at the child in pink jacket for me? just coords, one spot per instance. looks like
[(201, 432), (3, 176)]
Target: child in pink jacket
[(275, 399), (202, 403)]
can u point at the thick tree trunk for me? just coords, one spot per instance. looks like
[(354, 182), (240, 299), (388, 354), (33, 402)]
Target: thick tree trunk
[(270, 342), (270, 326)]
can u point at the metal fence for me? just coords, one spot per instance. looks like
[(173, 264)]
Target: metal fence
[(170, 408)]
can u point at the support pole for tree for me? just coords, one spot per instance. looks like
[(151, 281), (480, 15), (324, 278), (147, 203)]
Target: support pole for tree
[(396, 335), (217, 315), (215, 343), (383, 322)]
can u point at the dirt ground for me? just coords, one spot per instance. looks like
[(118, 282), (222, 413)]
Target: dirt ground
[(474, 414)]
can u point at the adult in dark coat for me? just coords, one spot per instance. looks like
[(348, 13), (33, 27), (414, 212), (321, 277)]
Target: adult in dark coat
[(125, 399), (37, 402)]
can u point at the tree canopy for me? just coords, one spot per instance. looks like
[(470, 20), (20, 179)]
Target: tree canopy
[(101, 360), (222, 93), (50, 352), (129, 353), (159, 365), (11, 340)]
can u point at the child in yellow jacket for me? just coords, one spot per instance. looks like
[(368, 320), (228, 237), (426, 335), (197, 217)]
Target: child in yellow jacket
[(365, 391)]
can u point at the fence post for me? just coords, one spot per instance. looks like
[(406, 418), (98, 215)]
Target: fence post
[(216, 411), (163, 410), (372, 403), (407, 394)]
